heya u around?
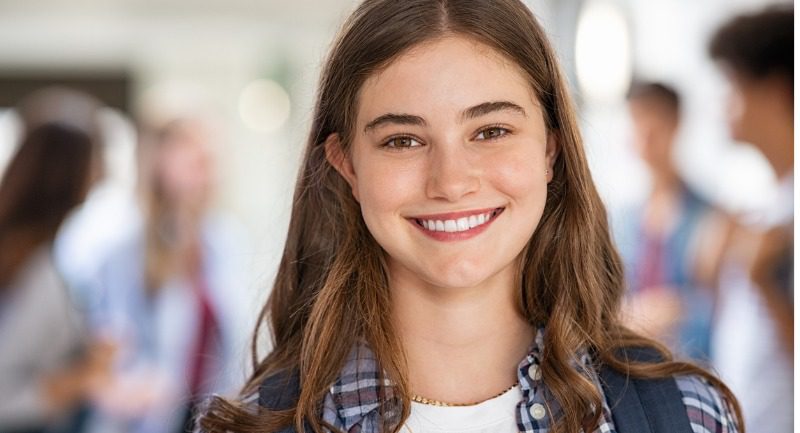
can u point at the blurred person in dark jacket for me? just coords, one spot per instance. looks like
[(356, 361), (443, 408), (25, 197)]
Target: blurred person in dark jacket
[(753, 343), (663, 239), (48, 366)]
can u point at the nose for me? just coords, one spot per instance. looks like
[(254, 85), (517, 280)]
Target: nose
[(451, 173)]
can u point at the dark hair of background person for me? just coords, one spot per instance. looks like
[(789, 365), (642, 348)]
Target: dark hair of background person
[(658, 93), (332, 290), (49, 175), (758, 45)]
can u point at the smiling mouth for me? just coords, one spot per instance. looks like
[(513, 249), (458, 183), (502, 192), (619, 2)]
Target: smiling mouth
[(465, 223)]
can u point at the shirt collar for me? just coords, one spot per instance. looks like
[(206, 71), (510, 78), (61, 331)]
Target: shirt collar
[(354, 399)]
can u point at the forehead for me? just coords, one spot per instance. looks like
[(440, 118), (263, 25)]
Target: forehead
[(444, 75)]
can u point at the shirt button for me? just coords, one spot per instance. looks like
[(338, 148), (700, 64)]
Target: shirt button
[(538, 411), (535, 372)]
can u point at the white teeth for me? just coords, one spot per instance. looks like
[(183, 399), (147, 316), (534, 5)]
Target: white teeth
[(459, 225)]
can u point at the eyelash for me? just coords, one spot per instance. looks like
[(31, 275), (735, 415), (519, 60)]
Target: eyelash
[(393, 138), (505, 131), (387, 143)]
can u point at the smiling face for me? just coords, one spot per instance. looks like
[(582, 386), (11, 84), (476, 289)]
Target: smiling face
[(449, 162)]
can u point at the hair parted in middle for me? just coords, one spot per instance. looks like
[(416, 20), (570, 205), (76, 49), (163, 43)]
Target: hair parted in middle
[(331, 290)]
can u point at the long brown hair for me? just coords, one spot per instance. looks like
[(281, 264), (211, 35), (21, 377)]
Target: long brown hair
[(171, 242), (49, 174), (331, 288)]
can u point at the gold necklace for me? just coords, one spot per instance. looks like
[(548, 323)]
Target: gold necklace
[(428, 401)]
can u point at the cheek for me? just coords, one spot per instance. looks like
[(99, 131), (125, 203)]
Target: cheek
[(385, 189), (522, 180), (736, 107), (519, 175), (742, 114)]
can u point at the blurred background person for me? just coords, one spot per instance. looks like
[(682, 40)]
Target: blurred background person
[(172, 292), (48, 367), (662, 240), (753, 347)]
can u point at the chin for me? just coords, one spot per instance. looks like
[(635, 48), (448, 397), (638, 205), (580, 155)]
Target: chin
[(456, 283), (459, 276)]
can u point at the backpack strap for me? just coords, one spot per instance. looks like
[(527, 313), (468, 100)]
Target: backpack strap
[(644, 405), (280, 392)]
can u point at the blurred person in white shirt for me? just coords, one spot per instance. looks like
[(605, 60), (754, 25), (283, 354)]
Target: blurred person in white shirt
[(172, 291), (755, 317)]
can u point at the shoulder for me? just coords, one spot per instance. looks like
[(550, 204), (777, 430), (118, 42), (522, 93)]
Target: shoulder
[(124, 255), (279, 391), (663, 401), (39, 289), (708, 410), (39, 271)]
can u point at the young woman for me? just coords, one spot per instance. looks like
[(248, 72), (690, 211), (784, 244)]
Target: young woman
[(171, 291), (448, 266), (48, 366)]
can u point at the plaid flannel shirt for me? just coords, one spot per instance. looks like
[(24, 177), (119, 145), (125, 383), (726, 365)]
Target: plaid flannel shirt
[(353, 404)]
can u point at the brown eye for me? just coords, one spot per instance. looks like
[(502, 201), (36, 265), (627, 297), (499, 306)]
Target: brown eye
[(492, 133), (402, 142)]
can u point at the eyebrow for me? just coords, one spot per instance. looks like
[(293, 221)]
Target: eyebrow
[(470, 113), (399, 119), (491, 107)]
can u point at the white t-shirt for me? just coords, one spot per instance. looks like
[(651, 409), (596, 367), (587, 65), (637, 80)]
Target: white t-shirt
[(497, 415), (746, 350)]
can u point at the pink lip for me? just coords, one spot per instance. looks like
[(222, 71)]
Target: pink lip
[(453, 215), (455, 236)]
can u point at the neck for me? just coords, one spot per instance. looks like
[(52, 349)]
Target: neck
[(665, 183), (662, 206), (188, 220), (453, 335), (779, 150), (775, 136)]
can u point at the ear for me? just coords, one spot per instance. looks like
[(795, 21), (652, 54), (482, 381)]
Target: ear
[(551, 152), (340, 161)]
